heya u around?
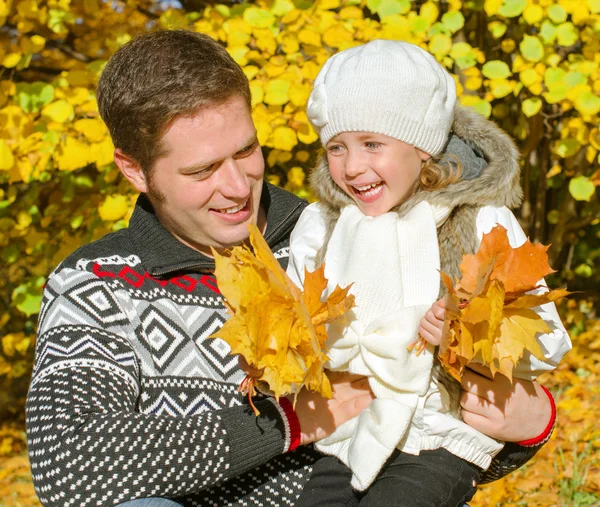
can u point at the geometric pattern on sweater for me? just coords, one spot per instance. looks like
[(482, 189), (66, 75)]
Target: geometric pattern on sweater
[(169, 338)]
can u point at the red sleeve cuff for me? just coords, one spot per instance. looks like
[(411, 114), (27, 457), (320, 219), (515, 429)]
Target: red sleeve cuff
[(292, 425), (545, 436)]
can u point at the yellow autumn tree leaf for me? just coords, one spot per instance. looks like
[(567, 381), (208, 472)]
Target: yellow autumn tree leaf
[(7, 159), (276, 327), (59, 111), (277, 92), (114, 207), (93, 129), (284, 138), (73, 155)]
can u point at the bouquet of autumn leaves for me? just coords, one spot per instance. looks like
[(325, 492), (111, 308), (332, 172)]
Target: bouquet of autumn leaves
[(277, 328), (280, 330), (489, 313)]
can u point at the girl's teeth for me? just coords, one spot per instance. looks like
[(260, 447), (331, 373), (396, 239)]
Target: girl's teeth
[(233, 210), (367, 187)]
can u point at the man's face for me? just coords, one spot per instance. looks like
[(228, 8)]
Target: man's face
[(206, 188)]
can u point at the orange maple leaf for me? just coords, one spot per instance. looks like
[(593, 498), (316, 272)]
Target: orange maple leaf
[(488, 312), (276, 327), (519, 269)]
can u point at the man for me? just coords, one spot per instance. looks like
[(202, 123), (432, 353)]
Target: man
[(129, 399)]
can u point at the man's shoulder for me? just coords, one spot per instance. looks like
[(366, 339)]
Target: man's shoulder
[(112, 248), (283, 208)]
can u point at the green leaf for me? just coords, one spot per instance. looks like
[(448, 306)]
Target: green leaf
[(532, 106), (31, 97), (419, 24), (386, 8), (496, 69), (497, 29), (512, 8), (557, 13), (548, 31), (440, 44), (11, 253), (531, 48), (438, 29), (373, 5), (223, 10), (568, 147), (581, 188), (553, 76), (463, 55), (258, 18), (584, 270), (553, 216), (483, 107), (453, 21), (567, 34), (588, 104), (28, 297), (574, 78), (282, 7)]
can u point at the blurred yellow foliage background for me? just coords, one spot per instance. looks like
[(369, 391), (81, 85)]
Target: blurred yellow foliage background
[(533, 66)]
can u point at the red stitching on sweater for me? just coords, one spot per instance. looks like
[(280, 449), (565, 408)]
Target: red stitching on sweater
[(136, 279), (179, 281), (211, 283), (102, 274)]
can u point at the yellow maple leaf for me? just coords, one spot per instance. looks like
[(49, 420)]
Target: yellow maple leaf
[(488, 312), (276, 327)]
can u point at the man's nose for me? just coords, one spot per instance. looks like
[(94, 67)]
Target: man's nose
[(234, 180)]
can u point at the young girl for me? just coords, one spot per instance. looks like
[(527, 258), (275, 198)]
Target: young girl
[(390, 216)]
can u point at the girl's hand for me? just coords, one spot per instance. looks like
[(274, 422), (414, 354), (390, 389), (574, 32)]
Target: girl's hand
[(432, 324)]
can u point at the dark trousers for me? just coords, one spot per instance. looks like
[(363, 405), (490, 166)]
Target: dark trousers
[(432, 479)]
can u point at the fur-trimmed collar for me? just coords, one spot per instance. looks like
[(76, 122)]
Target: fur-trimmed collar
[(497, 185)]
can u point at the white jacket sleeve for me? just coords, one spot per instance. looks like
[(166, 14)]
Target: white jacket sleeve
[(554, 345), (305, 242)]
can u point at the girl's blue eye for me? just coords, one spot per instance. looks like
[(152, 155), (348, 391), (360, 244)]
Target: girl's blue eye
[(372, 146)]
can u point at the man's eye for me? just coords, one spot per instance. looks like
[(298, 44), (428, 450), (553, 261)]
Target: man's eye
[(248, 150), (202, 173)]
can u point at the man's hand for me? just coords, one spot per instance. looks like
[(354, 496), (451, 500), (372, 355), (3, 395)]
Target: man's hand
[(512, 413), (432, 323), (319, 417)]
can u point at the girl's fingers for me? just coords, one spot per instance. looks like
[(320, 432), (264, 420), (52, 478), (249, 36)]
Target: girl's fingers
[(430, 333), (433, 320), (438, 310)]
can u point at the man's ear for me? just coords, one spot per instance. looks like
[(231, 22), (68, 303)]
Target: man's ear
[(131, 170)]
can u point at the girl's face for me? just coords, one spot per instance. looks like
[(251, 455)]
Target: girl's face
[(377, 171)]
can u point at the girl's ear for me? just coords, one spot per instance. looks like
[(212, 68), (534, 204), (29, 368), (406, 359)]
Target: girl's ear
[(423, 156)]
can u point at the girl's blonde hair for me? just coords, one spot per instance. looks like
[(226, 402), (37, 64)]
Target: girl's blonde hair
[(439, 172)]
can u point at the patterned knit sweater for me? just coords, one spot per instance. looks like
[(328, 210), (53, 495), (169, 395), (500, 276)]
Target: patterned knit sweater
[(130, 399)]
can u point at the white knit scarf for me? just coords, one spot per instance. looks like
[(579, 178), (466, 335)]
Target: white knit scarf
[(393, 265)]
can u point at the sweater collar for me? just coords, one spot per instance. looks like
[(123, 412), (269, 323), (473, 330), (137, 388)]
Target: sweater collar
[(163, 253)]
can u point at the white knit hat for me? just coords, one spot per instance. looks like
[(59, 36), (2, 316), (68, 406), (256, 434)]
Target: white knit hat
[(386, 87)]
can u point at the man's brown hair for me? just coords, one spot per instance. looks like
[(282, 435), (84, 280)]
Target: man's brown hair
[(159, 77)]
